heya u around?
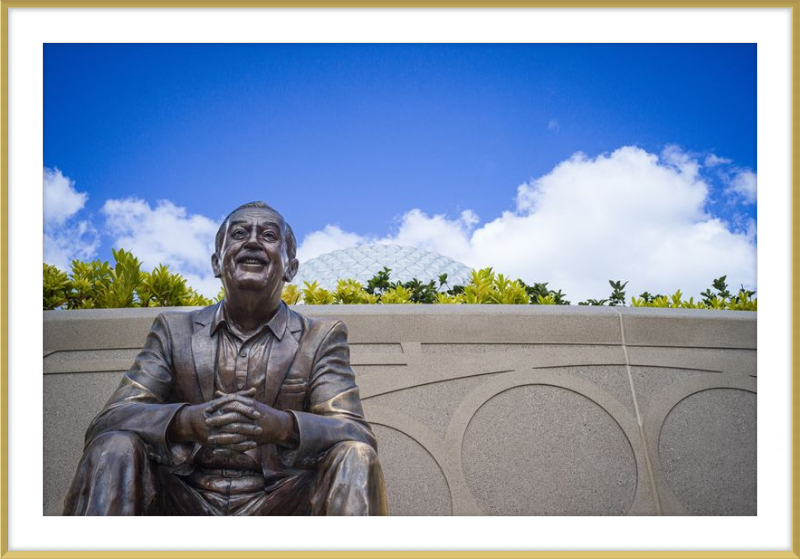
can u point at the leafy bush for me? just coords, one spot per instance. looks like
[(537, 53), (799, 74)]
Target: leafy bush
[(313, 294), (721, 300), (57, 287), (97, 284), (351, 292)]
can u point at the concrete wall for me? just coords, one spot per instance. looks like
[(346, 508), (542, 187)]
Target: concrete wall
[(498, 410)]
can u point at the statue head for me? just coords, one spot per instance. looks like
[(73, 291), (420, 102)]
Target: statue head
[(255, 250)]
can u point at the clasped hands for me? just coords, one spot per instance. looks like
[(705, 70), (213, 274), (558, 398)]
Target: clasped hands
[(235, 421)]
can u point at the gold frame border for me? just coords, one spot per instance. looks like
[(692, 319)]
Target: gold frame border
[(795, 7)]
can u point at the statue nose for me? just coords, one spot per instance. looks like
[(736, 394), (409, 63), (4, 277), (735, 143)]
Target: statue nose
[(252, 240)]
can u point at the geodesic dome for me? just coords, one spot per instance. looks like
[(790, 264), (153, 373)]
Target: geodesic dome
[(364, 261)]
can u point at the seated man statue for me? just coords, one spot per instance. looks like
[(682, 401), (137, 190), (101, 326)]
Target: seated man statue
[(241, 408)]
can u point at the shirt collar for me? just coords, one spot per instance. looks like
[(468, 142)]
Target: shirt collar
[(277, 323)]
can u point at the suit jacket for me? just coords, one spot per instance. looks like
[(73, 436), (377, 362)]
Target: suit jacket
[(308, 374)]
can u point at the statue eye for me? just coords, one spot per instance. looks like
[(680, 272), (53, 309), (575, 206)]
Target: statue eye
[(270, 236), (238, 234)]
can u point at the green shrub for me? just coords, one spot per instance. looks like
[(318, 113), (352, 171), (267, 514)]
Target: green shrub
[(398, 295), (351, 292), (161, 288), (97, 284), (313, 294), (719, 299), (291, 294), (57, 287)]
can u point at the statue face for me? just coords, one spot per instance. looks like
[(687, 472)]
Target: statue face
[(253, 253)]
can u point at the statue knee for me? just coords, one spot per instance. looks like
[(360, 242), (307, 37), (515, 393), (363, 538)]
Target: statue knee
[(354, 452), (117, 445)]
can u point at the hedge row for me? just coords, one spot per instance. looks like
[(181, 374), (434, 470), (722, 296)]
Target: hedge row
[(98, 284)]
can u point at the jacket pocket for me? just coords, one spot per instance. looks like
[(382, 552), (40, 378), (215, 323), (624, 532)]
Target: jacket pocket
[(291, 396)]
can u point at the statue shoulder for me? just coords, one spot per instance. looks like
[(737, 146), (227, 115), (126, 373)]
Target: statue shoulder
[(314, 329), (181, 322)]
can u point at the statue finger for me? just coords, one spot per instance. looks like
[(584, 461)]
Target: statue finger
[(240, 428), (239, 447), (226, 418), (226, 438), (242, 408), (214, 405)]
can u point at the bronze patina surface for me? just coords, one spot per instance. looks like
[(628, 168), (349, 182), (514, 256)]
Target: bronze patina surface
[(241, 408)]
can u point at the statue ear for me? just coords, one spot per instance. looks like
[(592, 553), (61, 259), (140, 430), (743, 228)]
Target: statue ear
[(215, 265), (291, 270)]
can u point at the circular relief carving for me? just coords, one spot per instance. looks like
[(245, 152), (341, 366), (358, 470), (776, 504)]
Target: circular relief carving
[(707, 450), (545, 450), (415, 485)]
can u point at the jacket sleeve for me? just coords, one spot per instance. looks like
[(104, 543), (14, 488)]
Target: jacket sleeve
[(333, 406), (141, 404)]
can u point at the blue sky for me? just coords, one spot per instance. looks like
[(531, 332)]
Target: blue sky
[(469, 150)]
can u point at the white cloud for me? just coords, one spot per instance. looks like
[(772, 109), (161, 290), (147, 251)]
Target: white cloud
[(713, 160), (435, 233), (329, 239), (166, 234), (65, 237), (628, 215), (61, 200), (553, 125), (76, 242), (744, 183)]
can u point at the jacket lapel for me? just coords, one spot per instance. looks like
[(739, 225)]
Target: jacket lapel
[(204, 350), (281, 356)]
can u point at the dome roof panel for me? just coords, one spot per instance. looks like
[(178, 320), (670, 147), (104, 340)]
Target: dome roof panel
[(363, 262)]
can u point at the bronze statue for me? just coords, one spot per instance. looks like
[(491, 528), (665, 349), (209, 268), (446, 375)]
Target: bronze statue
[(241, 408)]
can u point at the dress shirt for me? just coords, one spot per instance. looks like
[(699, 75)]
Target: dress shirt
[(241, 365)]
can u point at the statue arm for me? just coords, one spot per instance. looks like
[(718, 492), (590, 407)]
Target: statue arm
[(141, 403), (333, 410)]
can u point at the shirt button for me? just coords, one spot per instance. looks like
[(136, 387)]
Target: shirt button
[(243, 353), (240, 385)]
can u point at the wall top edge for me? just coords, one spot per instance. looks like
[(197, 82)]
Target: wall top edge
[(427, 310)]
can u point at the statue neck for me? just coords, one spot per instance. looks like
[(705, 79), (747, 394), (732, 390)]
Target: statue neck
[(250, 311)]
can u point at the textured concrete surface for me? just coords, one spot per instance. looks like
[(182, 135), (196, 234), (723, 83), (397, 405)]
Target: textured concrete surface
[(544, 450), (483, 409), (415, 486), (70, 402), (707, 450)]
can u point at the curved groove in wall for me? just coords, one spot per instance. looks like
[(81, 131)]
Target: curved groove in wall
[(643, 500), (415, 482), (663, 403), (421, 435), (420, 374), (557, 453)]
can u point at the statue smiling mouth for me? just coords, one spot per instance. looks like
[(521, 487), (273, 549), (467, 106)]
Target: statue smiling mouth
[(252, 260)]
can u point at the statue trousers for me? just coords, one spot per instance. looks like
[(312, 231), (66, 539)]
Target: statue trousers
[(116, 476)]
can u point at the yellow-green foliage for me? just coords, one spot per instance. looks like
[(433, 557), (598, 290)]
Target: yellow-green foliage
[(221, 295), (351, 292), (487, 288), (445, 299), (479, 290), (56, 287), (398, 295), (741, 302), (291, 294), (161, 288), (508, 292), (546, 300), (313, 294), (97, 284)]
